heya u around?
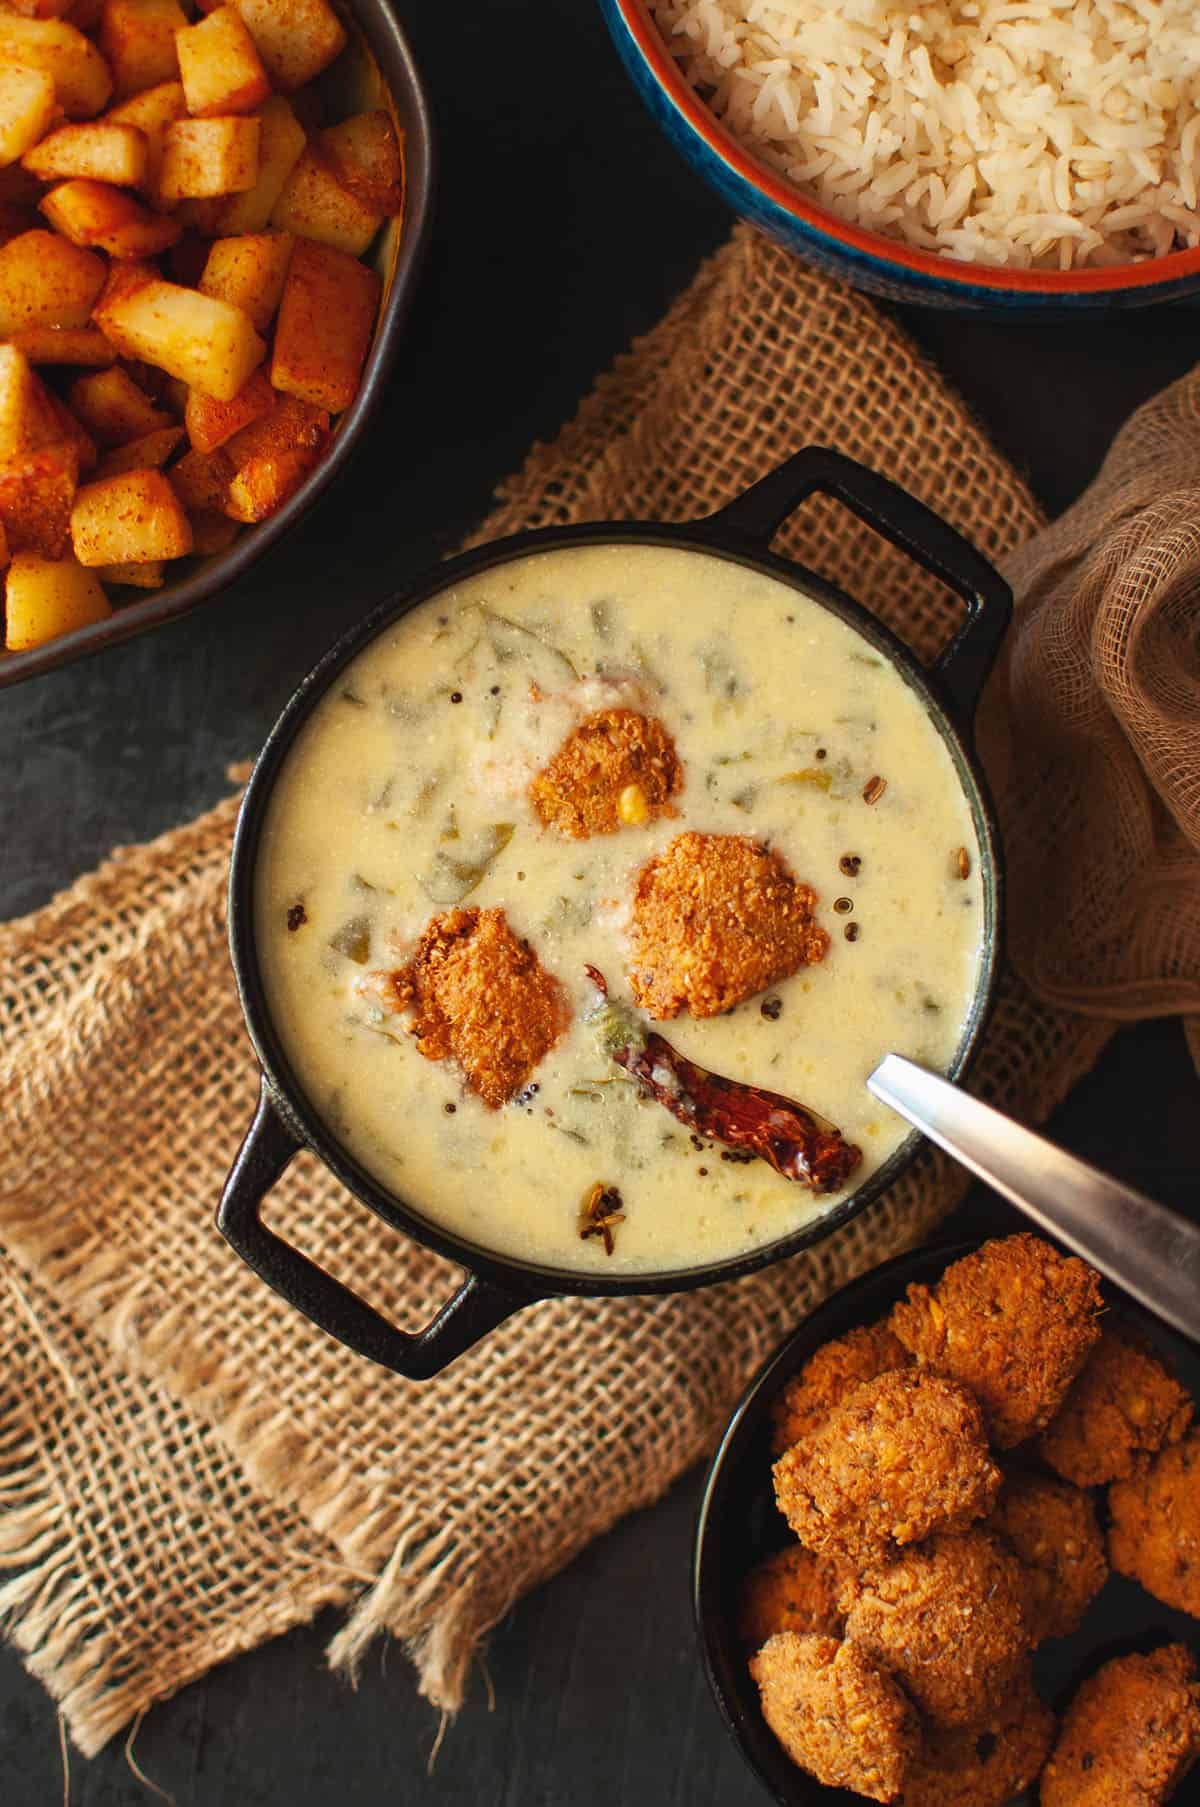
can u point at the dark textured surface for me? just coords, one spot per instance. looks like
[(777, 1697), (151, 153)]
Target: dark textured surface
[(564, 228)]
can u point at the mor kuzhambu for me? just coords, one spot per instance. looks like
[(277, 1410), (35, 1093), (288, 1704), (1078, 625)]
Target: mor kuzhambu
[(578, 842)]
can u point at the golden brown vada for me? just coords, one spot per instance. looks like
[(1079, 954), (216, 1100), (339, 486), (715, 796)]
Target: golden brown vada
[(1123, 1403), (717, 917), (1130, 1735), (1014, 1322), (903, 1455), (1154, 1528), (480, 996), (948, 1619), (1052, 1529), (836, 1714), (826, 1378), (616, 769)]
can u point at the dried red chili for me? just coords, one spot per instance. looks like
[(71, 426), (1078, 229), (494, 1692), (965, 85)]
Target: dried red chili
[(797, 1142)]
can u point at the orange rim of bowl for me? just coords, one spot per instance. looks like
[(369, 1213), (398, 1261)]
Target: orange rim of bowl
[(1147, 274)]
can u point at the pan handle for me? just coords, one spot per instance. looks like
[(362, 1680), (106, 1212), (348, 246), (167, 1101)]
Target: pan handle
[(962, 667), (469, 1314)]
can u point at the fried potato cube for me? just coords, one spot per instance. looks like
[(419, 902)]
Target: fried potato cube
[(791, 1590), (326, 321), (716, 918), (71, 432), (150, 113), (364, 155), (249, 271), (1123, 1404), (130, 519), (1154, 1533), (98, 149), (201, 481), (37, 490), (207, 343), (5, 555), (47, 597), (315, 205), (210, 423), (949, 1620), (296, 39), (1130, 1735), (113, 408), (124, 276), (280, 142), (25, 421), (149, 379), (616, 767), (201, 215), (901, 1457), (138, 38), (92, 213), (32, 418), (149, 453), (273, 457), (1014, 1322), (828, 1376), (151, 110), (205, 158), (82, 83), (836, 1714), (64, 345), (149, 576), (26, 108), (1053, 1531), (211, 532), (45, 281), (220, 69)]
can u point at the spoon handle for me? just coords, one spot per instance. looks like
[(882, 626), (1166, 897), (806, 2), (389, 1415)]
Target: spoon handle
[(1150, 1252)]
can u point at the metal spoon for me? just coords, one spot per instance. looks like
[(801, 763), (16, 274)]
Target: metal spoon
[(1152, 1253)]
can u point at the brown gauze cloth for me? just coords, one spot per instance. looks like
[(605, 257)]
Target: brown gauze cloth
[(186, 1465), (1093, 733)]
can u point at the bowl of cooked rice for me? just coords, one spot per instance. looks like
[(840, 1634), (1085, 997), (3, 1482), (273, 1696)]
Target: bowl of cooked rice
[(1037, 157)]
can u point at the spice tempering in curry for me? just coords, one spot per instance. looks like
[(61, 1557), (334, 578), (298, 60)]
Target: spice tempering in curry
[(667, 768)]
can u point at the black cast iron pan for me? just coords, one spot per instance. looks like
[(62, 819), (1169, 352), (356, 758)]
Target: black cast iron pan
[(286, 1120)]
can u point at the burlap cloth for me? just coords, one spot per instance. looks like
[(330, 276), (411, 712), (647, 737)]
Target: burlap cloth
[(186, 1467)]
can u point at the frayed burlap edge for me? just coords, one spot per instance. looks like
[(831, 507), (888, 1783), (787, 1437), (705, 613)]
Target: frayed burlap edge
[(58, 1441)]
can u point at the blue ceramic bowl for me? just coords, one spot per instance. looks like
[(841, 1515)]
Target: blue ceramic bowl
[(870, 261)]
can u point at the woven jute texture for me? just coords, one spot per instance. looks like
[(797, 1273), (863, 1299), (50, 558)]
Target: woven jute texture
[(185, 1465)]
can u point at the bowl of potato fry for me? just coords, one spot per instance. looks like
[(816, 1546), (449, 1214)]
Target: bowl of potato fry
[(211, 223)]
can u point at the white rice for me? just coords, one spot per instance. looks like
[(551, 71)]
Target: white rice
[(1047, 134)]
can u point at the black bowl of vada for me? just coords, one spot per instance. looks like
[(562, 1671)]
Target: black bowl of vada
[(945, 1552)]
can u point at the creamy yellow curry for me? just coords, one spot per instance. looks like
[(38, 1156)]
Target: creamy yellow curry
[(411, 798)]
